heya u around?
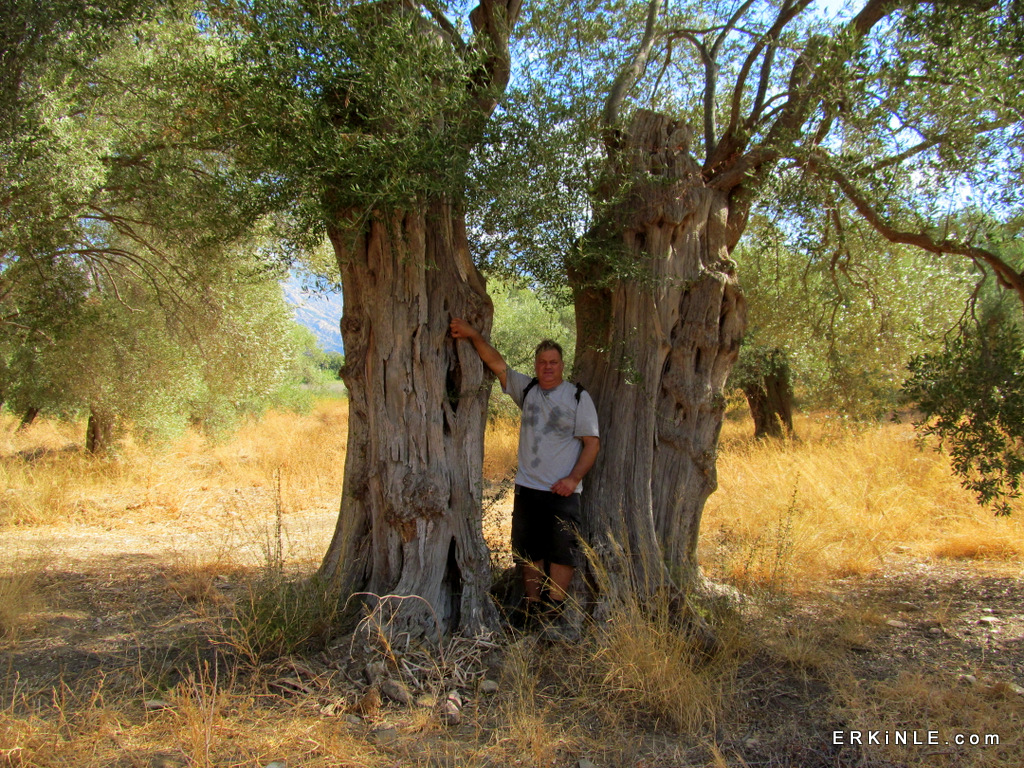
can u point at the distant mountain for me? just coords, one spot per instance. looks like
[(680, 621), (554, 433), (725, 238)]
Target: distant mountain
[(321, 313)]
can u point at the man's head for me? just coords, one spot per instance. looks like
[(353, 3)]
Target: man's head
[(548, 364)]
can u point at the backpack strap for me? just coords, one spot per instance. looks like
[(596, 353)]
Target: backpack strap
[(533, 383)]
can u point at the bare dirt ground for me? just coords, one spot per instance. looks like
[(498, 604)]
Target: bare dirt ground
[(901, 653)]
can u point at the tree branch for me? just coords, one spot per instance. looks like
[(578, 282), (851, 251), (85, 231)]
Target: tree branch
[(634, 70), (1007, 276), (446, 26), (492, 22), (929, 143)]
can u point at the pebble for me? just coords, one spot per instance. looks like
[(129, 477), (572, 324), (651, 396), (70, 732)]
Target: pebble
[(970, 679), (896, 623), (988, 620), (450, 713), (277, 764), (397, 691), (584, 763), (154, 705), (489, 687)]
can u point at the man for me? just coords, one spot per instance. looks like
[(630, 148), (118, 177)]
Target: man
[(558, 443)]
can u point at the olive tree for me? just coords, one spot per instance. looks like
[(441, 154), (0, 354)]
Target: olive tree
[(889, 114), (359, 118)]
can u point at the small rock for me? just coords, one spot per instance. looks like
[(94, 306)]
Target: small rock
[(489, 687), (385, 735), (753, 742), (155, 705), (1016, 689), (969, 679), (455, 698), (333, 709), (397, 691), (988, 620), (353, 719), (450, 713), (277, 764), (897, 624), (935, 631), (584, 763), (906, 607)]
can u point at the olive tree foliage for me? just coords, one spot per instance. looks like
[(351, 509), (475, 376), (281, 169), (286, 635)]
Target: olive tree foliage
[(106, 166), (120, 293), (128, 358), (691, 117), (845, 322), (357, 119)]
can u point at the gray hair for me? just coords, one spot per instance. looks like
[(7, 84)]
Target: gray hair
[(547, 344)]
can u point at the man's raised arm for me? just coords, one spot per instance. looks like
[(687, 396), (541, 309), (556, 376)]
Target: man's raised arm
[(489, 355)]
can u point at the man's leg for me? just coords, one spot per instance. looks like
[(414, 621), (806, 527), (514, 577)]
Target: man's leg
[(533, 580), (558, 586)]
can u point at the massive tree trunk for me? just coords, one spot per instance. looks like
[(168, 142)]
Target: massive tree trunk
[(410, 521), (659, 321)]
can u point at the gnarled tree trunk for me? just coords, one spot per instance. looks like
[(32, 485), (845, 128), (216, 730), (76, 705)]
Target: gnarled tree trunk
[(410, 521), (659, 321)]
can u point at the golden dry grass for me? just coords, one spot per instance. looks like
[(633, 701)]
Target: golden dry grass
[(840, 502), (51, 480)]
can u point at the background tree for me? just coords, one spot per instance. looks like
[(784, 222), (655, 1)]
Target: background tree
[(847, 321), (129, 358), (891, 113), (359, 119), (116, 205)]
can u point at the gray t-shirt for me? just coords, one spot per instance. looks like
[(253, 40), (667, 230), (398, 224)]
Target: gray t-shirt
[(552, 422)]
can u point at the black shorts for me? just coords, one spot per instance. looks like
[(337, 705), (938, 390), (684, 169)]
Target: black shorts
[(545, 525)]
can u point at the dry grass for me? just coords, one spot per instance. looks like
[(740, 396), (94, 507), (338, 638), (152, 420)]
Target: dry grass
[(501, 443), (842, 500), (51, 480), (789, 520)]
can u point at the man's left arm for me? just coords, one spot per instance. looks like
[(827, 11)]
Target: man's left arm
[(567, 485)]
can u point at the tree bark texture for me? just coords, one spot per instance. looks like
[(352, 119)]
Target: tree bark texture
[(410, 521), (660, 317)]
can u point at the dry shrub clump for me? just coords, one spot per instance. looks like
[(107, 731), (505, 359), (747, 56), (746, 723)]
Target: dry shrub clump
[(840, 500)]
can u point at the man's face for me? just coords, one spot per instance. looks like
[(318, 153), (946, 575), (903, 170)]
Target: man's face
[(549, 367)]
